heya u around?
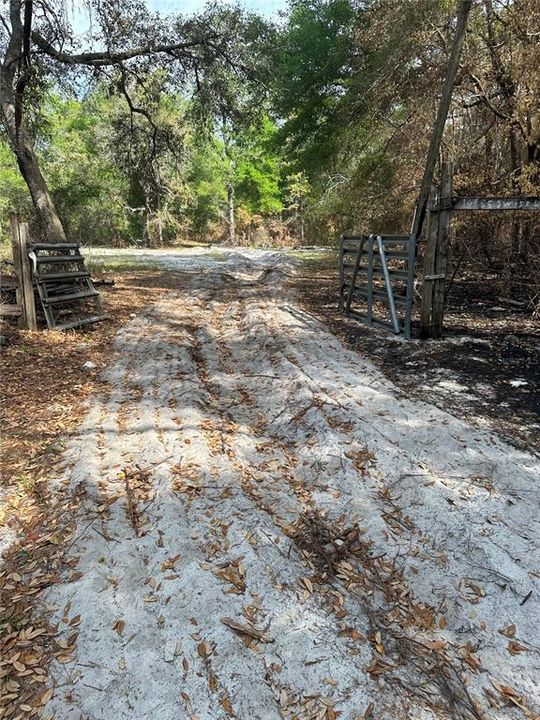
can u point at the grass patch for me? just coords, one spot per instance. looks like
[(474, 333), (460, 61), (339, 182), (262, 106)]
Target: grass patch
[(316, 262), (119, 264)]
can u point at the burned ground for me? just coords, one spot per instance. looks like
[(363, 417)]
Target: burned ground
[(486, 368)]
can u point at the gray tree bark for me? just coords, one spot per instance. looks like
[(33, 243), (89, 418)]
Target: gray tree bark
[(14, 73)]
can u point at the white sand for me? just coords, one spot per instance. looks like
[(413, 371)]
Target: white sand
[(241, 392)]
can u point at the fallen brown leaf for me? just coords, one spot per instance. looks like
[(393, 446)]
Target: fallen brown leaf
[(509, 631), (119, 626), (246, 629), (47, 695)]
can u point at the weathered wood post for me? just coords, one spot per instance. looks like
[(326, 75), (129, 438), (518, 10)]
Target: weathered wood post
[(436, 259), (29, 297), (441, 256), (23, 271), (432, 228), (16, 252), (440, 122)]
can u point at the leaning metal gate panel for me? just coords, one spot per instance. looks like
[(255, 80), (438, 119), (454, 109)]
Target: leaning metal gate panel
[(376, 276)]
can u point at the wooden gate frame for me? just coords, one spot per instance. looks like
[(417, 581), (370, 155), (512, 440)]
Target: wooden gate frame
[(443, 204)]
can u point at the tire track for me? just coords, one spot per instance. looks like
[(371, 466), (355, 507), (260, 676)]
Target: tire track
[(281, 490)]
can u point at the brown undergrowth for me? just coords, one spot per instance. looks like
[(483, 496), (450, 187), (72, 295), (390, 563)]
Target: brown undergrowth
[(43, 527), (44, 383)]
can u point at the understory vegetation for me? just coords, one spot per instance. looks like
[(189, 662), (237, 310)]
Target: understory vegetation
[(117, 179), (275, 133)]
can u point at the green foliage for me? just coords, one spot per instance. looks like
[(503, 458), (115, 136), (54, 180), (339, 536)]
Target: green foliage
[(13, 191), (298, 188), (207, 181), (86, 186), (258, 169), (327, 132), (248, 161), (313, 71), (117, 178)]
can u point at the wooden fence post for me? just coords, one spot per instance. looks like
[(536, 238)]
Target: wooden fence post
[(21, 263), (432, 228), (29, 297), (435, 261), (441, 257), (16, 251)]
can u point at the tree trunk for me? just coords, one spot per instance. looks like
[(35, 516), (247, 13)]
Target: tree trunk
[(148, 239), (14, 73), (50, 224), (230, 214)]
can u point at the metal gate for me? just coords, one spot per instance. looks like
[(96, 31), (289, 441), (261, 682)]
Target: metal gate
[(376, 275)]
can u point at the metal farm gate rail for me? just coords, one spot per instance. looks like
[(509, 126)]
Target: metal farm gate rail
[(376, 276)]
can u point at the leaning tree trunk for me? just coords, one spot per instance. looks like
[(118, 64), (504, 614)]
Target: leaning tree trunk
[(50, 224), (14, 73), (51, 227)]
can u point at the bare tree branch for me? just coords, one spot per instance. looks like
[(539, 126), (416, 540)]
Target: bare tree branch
[(108, 57)]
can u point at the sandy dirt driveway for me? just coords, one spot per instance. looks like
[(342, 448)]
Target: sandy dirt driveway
[(269, 529)]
